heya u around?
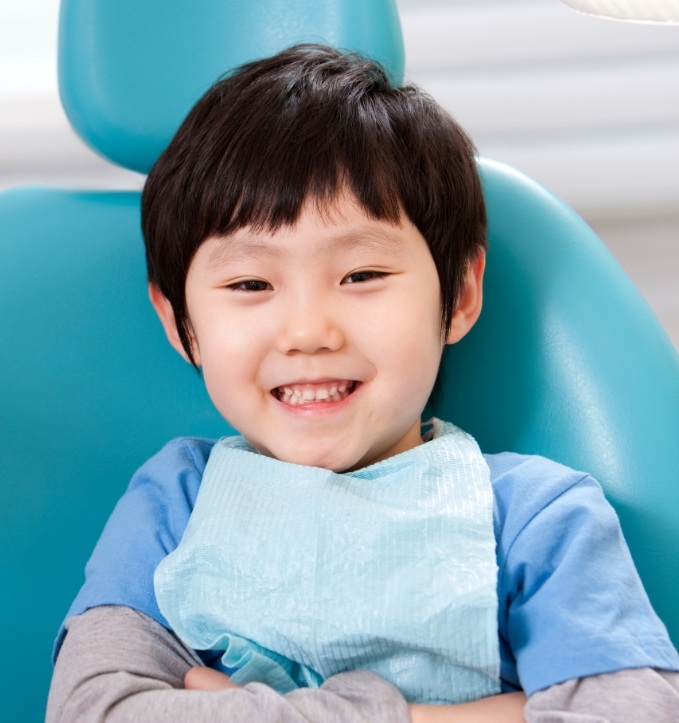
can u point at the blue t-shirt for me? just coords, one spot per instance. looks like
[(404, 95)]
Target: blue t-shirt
[(570, 600)]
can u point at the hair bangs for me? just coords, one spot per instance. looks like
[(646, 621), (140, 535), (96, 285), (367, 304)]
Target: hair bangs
[(269, 176)]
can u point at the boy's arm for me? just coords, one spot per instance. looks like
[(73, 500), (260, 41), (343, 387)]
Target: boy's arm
[(119, 665), (505, 708), (626, 696)]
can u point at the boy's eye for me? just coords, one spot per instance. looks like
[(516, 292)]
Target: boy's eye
[(359, 277), (250, 285)]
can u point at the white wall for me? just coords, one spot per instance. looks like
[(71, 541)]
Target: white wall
[(588, 107), (37, 144)]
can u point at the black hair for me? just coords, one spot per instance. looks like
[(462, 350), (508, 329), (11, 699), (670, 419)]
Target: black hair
[(306, 123)]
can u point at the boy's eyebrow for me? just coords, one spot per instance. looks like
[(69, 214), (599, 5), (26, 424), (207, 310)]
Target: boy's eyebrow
[(367, 238), (238, 248), (244, 247)]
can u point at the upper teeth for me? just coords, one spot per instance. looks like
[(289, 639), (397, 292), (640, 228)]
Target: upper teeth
[(304, 394)]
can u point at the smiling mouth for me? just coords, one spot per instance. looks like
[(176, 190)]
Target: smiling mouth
[(323, 392)]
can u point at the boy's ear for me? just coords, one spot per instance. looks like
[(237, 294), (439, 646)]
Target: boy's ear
[(470, 302), (166, 315)]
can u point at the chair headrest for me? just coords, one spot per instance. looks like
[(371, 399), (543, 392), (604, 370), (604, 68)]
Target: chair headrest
[(130, 71)]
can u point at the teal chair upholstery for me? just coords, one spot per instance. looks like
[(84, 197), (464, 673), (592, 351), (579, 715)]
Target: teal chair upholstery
[(567, 360)]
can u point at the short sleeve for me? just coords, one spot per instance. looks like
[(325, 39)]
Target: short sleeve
[(146, 524), (572, 604)]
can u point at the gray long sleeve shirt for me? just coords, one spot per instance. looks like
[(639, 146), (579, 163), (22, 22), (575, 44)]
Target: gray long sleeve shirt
[(119, 665)]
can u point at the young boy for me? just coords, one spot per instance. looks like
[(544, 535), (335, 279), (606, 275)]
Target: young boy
[(314, 238)]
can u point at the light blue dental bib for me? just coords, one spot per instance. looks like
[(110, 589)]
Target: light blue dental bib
[(299, 573)]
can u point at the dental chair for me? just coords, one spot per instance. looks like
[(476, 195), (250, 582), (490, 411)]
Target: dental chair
[(567, 359)]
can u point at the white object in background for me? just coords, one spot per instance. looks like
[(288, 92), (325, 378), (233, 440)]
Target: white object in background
[(639, 11)]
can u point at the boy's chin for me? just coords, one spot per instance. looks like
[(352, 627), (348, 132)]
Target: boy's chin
[(338, 453), (333, 460)]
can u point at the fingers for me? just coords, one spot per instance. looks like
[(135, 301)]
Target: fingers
[(207, 679)]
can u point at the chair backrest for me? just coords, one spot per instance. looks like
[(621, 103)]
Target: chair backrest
[(567, 360)]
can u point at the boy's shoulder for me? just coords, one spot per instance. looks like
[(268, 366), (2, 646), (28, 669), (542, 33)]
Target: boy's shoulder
[(163, 491), (179, 463), (531, 491), (182, 451), (534, 479)]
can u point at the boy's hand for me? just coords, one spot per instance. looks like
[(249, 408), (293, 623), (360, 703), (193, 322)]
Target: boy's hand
[(207, 679), (506, 708)]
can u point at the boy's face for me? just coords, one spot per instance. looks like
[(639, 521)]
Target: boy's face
[(320, 342)]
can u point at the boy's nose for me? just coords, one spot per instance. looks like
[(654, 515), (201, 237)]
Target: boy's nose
[(309, 329)]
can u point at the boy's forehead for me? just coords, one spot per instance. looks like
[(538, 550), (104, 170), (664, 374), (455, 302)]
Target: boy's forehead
[(323, 231)]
